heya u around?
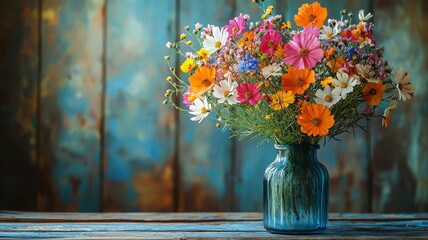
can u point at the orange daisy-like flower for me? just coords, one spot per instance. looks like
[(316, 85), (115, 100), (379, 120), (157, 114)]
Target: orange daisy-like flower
[(315, 120), (372, 93), (297, 80), (246, 40), (311, 15), (202, 80), (335, 64)]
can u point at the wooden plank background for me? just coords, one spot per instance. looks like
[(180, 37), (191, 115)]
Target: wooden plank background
[(83, 128)]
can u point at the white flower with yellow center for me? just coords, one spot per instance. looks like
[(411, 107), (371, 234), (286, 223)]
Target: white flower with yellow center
[(272, 70), (200, 108), (217, 40), (344, 84), (405, 88), (326, 97), (328, 32), (226, 91)]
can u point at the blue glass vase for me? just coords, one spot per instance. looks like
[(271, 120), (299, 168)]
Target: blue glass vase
[(295, 191)]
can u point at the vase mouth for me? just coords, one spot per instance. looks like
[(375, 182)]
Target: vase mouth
[(296, 146)]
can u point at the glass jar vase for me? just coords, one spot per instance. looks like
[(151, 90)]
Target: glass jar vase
[(295, 191)]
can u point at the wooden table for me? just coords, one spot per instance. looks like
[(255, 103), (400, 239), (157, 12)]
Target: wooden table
[(200, 225)]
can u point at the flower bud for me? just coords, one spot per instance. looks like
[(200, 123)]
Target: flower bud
[(182, 36), (167, 58), (169, 45), (169, 78), (188, 43), (186, 28), (165, 101), (172, 69), (217, 125)]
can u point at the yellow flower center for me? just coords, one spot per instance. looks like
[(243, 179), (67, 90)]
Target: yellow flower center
[(316, 121), (226, 93), (248, 95), (328, 98), (235, 29), (204, 110), (344, 85), (217, 44), (312, 17), (272, 71), (303, 52), (329, 35)]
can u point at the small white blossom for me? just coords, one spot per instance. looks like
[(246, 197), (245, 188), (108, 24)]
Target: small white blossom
[(366, 72), (272, 70), (326, 97), (200, 108), (344, 84), (226, 91), (217, 40), (328, 32), (198, 26)]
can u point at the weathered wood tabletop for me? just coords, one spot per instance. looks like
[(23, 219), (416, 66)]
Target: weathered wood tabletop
[(201, 225)]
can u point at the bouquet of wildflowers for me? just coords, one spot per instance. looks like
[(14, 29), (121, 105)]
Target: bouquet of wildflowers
[(291, 85)]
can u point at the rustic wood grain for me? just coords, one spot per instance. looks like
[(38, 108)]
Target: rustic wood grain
[(69, 164), (400, 162), (232, 225), (139, 130), (205, 151), (18, 108)]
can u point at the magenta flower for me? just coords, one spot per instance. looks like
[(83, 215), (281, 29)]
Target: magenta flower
[(269, 42), (303, 51), (236, 26), (248, 93)]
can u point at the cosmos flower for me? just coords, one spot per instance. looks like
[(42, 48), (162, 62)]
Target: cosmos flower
[(269, 42), (315, 120), (405, 88), (303, 51), (297, 80), (248, 93), (281, 99), (200, 108), (326, 97), (273, 69), (372, 93), (217, 40), (344, 84), (226, 91), (202, 80), (311, 15), (236, 26)]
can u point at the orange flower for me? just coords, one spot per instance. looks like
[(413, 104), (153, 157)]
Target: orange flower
[(372, 93), (279, 52), (315, 120), (202, 80), (246, 40), (311, 15), (335, 64), (329, 52), (297, 80)]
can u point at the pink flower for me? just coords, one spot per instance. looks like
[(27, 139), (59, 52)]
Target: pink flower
[(312, 30), (269, 42), (248, 93), (236, 26), (303, 51)]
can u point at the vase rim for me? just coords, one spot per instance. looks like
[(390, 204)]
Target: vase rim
[(296, 146)]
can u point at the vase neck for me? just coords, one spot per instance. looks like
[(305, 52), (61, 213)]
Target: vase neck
[(296, 153)]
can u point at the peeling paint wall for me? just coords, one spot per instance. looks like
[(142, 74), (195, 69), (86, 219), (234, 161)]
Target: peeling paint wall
[(83, 128)]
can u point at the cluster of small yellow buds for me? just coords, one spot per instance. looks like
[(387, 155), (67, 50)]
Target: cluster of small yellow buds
[(183, 36), (168, 92), (188, 43), (268, 11)]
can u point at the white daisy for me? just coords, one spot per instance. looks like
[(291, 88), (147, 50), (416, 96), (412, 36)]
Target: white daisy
[(226, 91), (200, 108), (363, 17), (217, 40), (328, 32), (272, 70), (326, 97), (344, 84), (405, 88)]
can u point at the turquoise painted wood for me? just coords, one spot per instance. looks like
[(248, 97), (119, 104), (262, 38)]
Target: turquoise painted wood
[(139, 129), (135, 154), (400, 179), (204, 151), (18, 108), (69, 163)]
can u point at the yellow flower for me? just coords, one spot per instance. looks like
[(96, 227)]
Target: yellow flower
[(187, 65), (183, 36), (203, 53), (326, 81), (286, 25), (281, 99)]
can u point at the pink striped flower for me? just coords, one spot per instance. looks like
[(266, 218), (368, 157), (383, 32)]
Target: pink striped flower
[(248, 93), (269, 42), (303, 51)]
